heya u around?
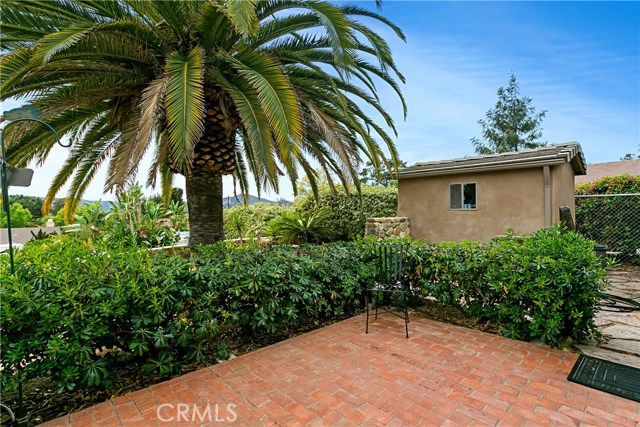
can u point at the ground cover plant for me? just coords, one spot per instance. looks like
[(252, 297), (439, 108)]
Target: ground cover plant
[(82, 312)]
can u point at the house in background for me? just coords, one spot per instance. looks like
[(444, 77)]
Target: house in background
[(477, 198), (600, 170)]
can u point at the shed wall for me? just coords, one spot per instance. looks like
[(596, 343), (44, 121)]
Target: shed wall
[(562, 190), (505, 199)]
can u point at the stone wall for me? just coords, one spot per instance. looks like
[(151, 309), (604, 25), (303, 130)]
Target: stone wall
[(385, 228)]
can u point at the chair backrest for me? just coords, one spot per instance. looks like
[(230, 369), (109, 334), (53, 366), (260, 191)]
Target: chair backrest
[(391, 262), (567, 218)]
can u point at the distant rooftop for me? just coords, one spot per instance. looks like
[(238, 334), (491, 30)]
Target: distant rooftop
[(569, 152), (600, 170)]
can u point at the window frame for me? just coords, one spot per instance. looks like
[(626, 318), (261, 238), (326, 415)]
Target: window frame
[(462, 184)]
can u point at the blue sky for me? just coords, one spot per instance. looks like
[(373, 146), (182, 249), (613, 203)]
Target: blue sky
[(580, 61)]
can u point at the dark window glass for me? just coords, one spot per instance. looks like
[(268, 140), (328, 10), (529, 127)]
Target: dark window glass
[(469, 196)]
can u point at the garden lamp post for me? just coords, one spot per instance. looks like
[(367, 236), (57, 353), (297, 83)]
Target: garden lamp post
[(17, 177)]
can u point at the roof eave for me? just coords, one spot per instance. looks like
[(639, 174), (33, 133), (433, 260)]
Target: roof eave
[(571, 153), (483, 168)]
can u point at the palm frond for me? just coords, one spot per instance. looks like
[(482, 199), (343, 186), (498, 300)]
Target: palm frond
[(242, 14), (98, 133), (350, 9), (51, 44), (160, 159), (184, 105), (255, 123), (214, 28), (122, 167), (166, 183), (276, 96)]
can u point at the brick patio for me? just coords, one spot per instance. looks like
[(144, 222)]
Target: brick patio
[(443, 375)]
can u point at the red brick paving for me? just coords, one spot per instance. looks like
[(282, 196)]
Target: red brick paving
[(443, 375)]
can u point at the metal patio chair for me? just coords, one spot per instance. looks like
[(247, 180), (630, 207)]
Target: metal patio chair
[(391, 281), (567, 218)]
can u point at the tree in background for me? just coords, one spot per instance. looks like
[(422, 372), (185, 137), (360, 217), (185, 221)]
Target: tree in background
[(512, 125), (213, 87), (31, 203), (176, 197), (630, 156), (369, 175), (304, 185), (20, 217)]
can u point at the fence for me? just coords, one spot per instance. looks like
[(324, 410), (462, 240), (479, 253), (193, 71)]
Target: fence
[(612, 220)]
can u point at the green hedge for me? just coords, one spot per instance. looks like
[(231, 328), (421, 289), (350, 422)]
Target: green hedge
[(351, 211), (546, 286), (71, 298), (612, 221)]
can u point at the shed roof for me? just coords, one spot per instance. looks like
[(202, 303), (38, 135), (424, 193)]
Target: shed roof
[(569, 152)]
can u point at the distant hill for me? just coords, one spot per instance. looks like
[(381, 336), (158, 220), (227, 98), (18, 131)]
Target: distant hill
[(231, 201)]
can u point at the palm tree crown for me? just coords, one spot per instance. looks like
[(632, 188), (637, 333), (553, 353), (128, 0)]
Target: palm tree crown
[(214, 87)]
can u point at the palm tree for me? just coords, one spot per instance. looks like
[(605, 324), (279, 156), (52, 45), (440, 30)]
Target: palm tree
[(215, 87)]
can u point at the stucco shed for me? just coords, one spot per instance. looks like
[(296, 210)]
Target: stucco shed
[(477, 198)]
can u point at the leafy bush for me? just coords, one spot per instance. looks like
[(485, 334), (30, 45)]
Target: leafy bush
[(612, 221), (70, 300), (545, 286), (20, 217), (302, 227), (137, 221), (249, 221), (268, 291), (76, 309), (620, 184), (350, 211)]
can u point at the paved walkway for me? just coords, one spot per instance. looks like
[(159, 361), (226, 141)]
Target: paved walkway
[(620, 331), (443, 375)]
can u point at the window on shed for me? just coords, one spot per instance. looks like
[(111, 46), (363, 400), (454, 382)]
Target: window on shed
[(462, 196)]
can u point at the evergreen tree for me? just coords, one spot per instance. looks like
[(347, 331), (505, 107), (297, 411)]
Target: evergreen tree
[(369, 175), (512, 125)]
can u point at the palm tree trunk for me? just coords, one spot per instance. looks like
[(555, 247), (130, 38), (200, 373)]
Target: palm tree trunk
[(204, 200)]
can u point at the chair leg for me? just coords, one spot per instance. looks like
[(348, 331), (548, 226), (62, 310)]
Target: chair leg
[(366, 304), (375, 304), (406, 319)]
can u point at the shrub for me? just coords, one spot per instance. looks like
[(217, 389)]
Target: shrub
[(351, 211), (71, 299), (20, 217), (545, 287), (302, 227), (611, 185), (75, 309), (612, 221), (249, 221), (136, 221)]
